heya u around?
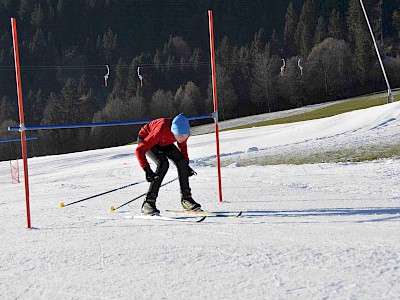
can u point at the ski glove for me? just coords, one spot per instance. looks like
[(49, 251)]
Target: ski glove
[(150, 175), (191, 171)]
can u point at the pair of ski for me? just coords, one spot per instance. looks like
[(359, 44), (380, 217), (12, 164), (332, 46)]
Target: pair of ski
[(195, 216)]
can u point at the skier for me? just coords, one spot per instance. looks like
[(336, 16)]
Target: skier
[(156, 139)]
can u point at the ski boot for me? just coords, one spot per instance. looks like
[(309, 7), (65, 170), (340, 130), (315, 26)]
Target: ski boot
[(189, 204), (149, 207)]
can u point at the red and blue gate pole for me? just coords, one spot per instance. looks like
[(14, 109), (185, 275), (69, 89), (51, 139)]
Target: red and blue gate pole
[(21, 118)]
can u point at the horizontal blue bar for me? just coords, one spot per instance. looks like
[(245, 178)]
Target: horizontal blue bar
[(18, 140), (200, 117), (83, 125)]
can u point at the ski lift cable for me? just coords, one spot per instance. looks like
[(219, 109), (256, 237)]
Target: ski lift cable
[(124, 66)]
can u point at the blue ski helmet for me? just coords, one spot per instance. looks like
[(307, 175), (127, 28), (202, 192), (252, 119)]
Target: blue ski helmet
[(180, 125)]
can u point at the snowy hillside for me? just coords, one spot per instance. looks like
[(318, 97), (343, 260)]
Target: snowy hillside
[(308, 231), (350, 132)]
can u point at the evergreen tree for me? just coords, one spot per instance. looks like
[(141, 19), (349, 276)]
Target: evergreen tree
[(51, 51), (169, 66), (37, 16), (396, 21), (195, 59), (88, 106), (109, 44), (157, 59), (289, 32), (60, 26), (25, 8), (336, 27), (51, 16), (274, 44), (38, 107), (60, 7), (120, 82), (70, 102), (7, 112), (52, 114), (37, 46), (3, 76), (87, 101), (178, 48), (83, 86), (133, 83), (240, 75), (258, 44), (360, 40), (29, 102), (52, 110), (376, 17), (305, 30), (320, 31), (224, 51)]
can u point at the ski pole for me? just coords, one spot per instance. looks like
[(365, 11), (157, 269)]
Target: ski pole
[(91, 197), (140, 196)]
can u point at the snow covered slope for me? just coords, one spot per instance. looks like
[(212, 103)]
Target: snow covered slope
[(307, 232), (353, 130)]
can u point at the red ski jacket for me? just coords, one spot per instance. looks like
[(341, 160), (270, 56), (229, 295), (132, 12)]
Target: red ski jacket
[(157, 132)]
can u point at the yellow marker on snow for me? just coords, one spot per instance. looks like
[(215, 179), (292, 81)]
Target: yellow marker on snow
[(112, 208), (62, 204)]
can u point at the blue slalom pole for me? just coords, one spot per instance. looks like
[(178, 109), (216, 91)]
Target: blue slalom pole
[(18, 140), (101, 124)]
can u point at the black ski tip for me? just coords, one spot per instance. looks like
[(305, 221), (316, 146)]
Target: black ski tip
[(239, 214), (202, 219)]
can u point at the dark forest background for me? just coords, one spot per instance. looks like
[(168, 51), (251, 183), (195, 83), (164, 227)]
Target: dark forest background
[(65, 45)]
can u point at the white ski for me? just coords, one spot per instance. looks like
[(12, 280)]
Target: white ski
[(162, 218)]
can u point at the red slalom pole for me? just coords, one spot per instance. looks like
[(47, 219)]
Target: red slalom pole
[(214, 85), (21, 118)]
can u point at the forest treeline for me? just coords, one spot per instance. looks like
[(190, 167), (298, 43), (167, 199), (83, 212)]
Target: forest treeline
[(270, 56)]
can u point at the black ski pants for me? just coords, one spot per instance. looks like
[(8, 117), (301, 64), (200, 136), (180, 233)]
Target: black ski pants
[(160, 155)]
